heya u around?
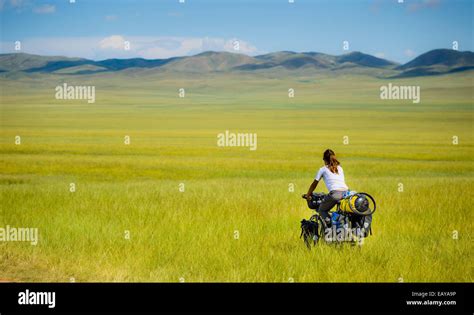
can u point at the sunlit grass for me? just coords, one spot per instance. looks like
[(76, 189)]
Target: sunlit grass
[(134, 188)]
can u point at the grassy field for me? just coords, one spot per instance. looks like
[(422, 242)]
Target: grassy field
[(133, 190)]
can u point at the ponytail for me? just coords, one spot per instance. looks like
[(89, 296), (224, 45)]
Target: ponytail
[(331, 161)]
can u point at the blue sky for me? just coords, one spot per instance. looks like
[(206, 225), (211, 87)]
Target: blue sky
[(100, 29)]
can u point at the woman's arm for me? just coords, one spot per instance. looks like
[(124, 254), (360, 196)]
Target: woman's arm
[(313, 186)]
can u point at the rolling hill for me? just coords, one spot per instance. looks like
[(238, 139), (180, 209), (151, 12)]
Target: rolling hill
[(438, 61), (25, 62), (364, 60), (209, 61)]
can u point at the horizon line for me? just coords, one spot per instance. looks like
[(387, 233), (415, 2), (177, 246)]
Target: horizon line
[(236, 53)]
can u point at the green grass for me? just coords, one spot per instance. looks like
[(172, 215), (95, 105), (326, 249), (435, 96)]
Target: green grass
[(190, 234)]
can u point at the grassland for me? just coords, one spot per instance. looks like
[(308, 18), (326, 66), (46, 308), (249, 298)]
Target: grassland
[(191, 234)]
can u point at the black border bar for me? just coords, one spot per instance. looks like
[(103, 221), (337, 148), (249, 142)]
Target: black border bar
[(241, 297)]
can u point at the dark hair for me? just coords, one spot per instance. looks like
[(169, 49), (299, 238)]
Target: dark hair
[(329, 158)]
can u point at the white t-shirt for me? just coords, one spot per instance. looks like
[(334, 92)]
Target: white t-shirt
[(332, 181)]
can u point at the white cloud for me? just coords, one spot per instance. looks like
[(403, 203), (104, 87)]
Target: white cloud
[(27, 5), (45, 9), (409, 53), (380, 55), (422, 4), (14, 4), (164, 47), (113, 46), (111, 18), (112, 42), (58, 46), (17, 3)]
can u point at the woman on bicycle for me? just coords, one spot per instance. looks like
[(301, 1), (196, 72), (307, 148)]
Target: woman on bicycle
[(333, 176)]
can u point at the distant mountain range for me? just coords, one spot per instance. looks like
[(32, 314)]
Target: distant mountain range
[(434, 62)]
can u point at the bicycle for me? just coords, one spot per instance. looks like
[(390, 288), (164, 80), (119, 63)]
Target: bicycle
[(352, 219)]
